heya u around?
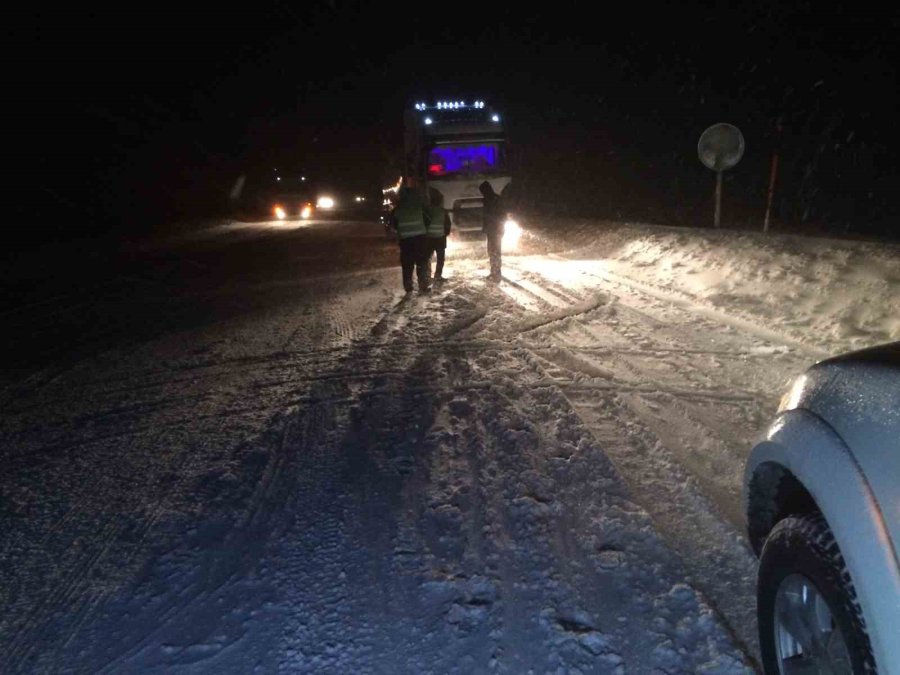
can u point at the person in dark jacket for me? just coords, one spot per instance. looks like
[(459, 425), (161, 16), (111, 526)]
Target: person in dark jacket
[(493, 217), (438, 228), (408, 220)]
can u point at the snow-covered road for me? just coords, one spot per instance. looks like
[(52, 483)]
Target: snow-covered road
[(538, 476)]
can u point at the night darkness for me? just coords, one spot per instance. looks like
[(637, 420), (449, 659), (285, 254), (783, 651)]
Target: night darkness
[(126, 120), (301, 430)]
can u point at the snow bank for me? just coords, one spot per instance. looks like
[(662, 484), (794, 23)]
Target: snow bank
[(832, 293)]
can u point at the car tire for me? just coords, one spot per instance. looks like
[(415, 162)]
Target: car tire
[(804, 548)]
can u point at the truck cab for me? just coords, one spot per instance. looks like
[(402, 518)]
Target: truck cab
[(451, 147)]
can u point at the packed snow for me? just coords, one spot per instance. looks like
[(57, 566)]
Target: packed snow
[(537, 476)]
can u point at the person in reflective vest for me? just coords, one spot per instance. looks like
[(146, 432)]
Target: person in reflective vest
[(437, 229), (409, 220)]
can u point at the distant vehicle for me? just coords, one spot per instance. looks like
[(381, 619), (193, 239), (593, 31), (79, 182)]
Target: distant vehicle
[(388, 202), (450, 148), (278, 195), (385, 219), (822, 497)]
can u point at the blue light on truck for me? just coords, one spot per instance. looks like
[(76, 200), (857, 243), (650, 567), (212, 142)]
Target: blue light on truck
[(452, 159)]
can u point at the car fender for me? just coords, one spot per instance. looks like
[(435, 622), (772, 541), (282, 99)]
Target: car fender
[(807, 447)]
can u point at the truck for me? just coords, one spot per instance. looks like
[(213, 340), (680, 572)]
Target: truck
[(278, 194), (450, 148)]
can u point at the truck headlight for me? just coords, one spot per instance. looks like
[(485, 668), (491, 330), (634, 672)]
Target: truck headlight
[(511, 234)]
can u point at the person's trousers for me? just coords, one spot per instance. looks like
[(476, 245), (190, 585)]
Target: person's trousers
[(414, 253), (493, 248), (437, 246)]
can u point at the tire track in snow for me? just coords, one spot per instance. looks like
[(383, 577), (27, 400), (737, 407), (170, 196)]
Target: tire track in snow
[(681, 511), (343, 329), (546, 286), (617, 404), (70, 606), (697, 307), (80, 595), (273, 494)]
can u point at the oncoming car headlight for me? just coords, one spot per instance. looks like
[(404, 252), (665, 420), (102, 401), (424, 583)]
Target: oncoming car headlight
[(306, 211), (279, 212)]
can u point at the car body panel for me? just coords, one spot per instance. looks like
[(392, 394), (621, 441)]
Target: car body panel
[(838, 433), (814, 454), (858, 395)]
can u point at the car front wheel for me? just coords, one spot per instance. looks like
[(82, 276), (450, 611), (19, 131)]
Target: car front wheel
[(809, 618)]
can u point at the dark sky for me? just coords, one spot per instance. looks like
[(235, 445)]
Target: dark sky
[(162, 105)]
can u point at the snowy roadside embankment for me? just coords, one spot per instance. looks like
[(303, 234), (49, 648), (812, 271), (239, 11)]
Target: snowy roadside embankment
[(830, 293)]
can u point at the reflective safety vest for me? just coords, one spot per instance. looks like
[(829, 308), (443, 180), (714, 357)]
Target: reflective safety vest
[(436, 215), (410, 221)]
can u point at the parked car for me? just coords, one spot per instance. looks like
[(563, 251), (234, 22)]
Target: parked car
[(822, 498)]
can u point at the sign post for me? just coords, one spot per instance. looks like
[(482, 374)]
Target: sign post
[(720, 148)]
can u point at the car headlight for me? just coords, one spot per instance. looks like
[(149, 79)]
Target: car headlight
[(306, 211), (792, 396), (279, 212)]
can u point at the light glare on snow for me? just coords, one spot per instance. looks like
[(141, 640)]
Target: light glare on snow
[(511, 234)]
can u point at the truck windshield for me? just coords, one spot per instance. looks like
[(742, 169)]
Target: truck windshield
[(464, 159)]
